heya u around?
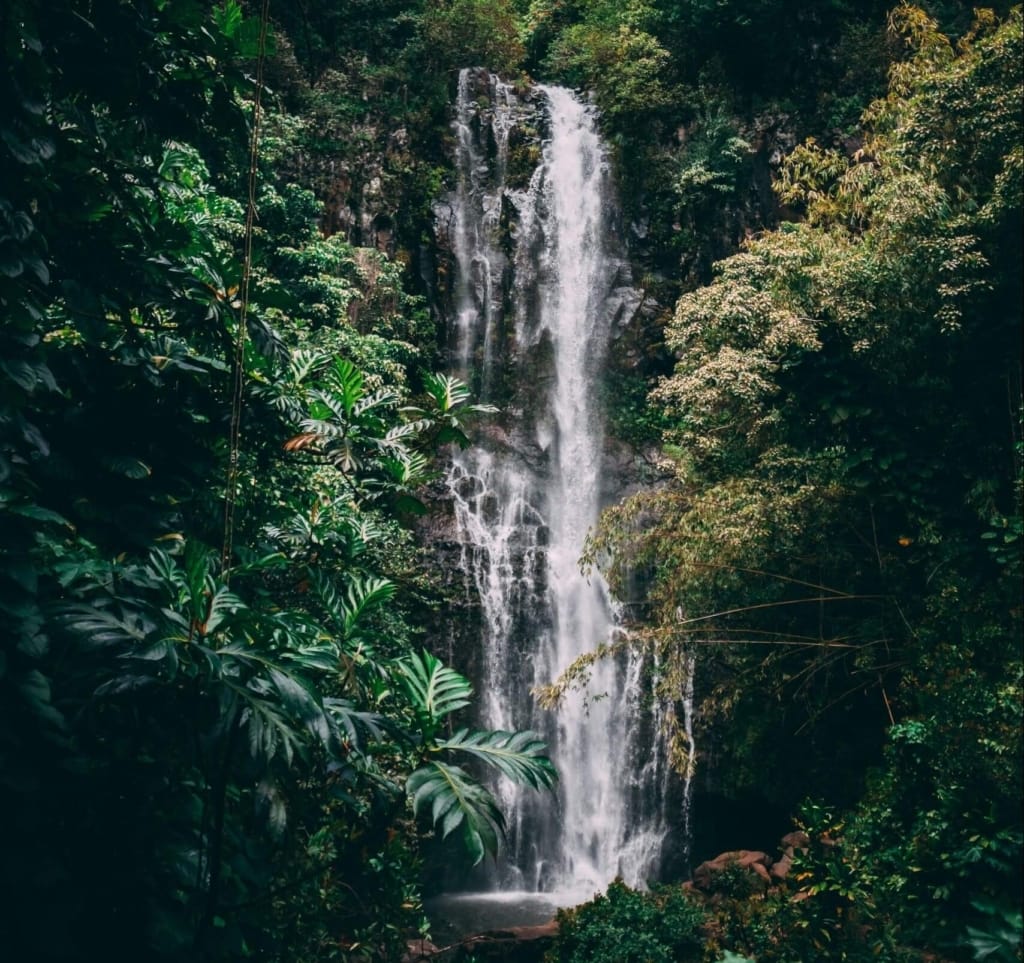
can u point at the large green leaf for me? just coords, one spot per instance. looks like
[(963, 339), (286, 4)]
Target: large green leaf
[(347, 608), (433, 689), (104, 626), (269, 730), (446, 408), (358, 724), (446, 391), (294, 698), (222, 604), (522, 756), (454, 799), (364, 595), (346, 381)]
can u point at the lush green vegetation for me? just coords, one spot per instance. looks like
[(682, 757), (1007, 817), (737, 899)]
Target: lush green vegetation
[(218, 728), (624, 926), (220, 736), (841, 538)]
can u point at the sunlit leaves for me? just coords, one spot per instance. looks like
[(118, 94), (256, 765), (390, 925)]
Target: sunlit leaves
[(382, 450), (446, 410)]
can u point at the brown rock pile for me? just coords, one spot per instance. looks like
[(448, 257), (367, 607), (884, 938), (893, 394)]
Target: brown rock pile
[(748, 869)]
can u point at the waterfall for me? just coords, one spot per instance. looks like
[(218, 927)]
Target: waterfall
[(540, 282)]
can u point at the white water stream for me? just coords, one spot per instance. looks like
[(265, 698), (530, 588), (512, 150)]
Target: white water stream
[(540, 281)]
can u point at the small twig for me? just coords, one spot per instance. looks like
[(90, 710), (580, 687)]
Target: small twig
[(771, 605), (874, 537), (885, 698), (910, 628), (807, 645), (774, 575)]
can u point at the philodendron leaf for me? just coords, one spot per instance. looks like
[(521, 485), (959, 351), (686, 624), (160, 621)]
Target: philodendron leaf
[(222, 605), (101, 627), (433, 689), (346, 609), (362, 596), (302, 701), (346, 380), (446, 391), (454, 799), (522, 756)]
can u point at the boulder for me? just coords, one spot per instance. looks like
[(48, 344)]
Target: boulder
[(781, 867), (795, 840), (754, 861), (760, 870), (417, 950)]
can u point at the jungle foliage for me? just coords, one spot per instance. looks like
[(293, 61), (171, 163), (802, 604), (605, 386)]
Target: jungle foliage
[(219, 735), (840, 541)]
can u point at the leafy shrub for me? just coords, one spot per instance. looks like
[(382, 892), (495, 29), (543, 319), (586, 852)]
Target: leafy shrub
[(627, 926), (625, 68)]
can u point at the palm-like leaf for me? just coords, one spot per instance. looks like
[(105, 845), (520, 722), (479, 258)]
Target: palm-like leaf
[(358, 725), (305, 362), (103, 626), (433, 689), (270, 731), (396, 436), (347, 608), (446, 408), (407, 470), (522, 756), (369, 404), (222, 604), (346, 381), (324, 406), (362, 596), (446, 391), (455, 799), (446, 398)]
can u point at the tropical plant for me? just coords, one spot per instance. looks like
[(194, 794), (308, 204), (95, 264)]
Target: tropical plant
[(200, 746), (453, 798), (466, 33)]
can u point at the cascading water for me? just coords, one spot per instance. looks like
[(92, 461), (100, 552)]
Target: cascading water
[(540, 283)]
